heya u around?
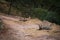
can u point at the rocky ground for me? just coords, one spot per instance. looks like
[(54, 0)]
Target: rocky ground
[(14, 29)]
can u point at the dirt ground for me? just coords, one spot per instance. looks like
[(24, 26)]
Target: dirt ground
[(29, 30)]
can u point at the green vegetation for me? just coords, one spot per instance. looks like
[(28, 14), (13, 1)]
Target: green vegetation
[(42, 9), (1, 25)]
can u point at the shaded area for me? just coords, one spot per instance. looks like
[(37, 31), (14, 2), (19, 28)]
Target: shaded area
[(42, 9)]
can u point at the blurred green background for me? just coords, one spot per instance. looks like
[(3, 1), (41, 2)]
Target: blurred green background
[(42, 9)]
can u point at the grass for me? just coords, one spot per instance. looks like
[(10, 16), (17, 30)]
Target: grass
[(0, 25)]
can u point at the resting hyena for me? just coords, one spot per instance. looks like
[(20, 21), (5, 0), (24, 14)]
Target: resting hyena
[(45, 25)]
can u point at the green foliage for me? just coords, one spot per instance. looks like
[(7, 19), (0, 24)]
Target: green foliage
[(44, 14), (42, 9), (40, 13), (1, 25)]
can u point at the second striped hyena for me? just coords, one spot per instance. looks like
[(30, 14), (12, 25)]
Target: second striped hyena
[(45, 25)]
